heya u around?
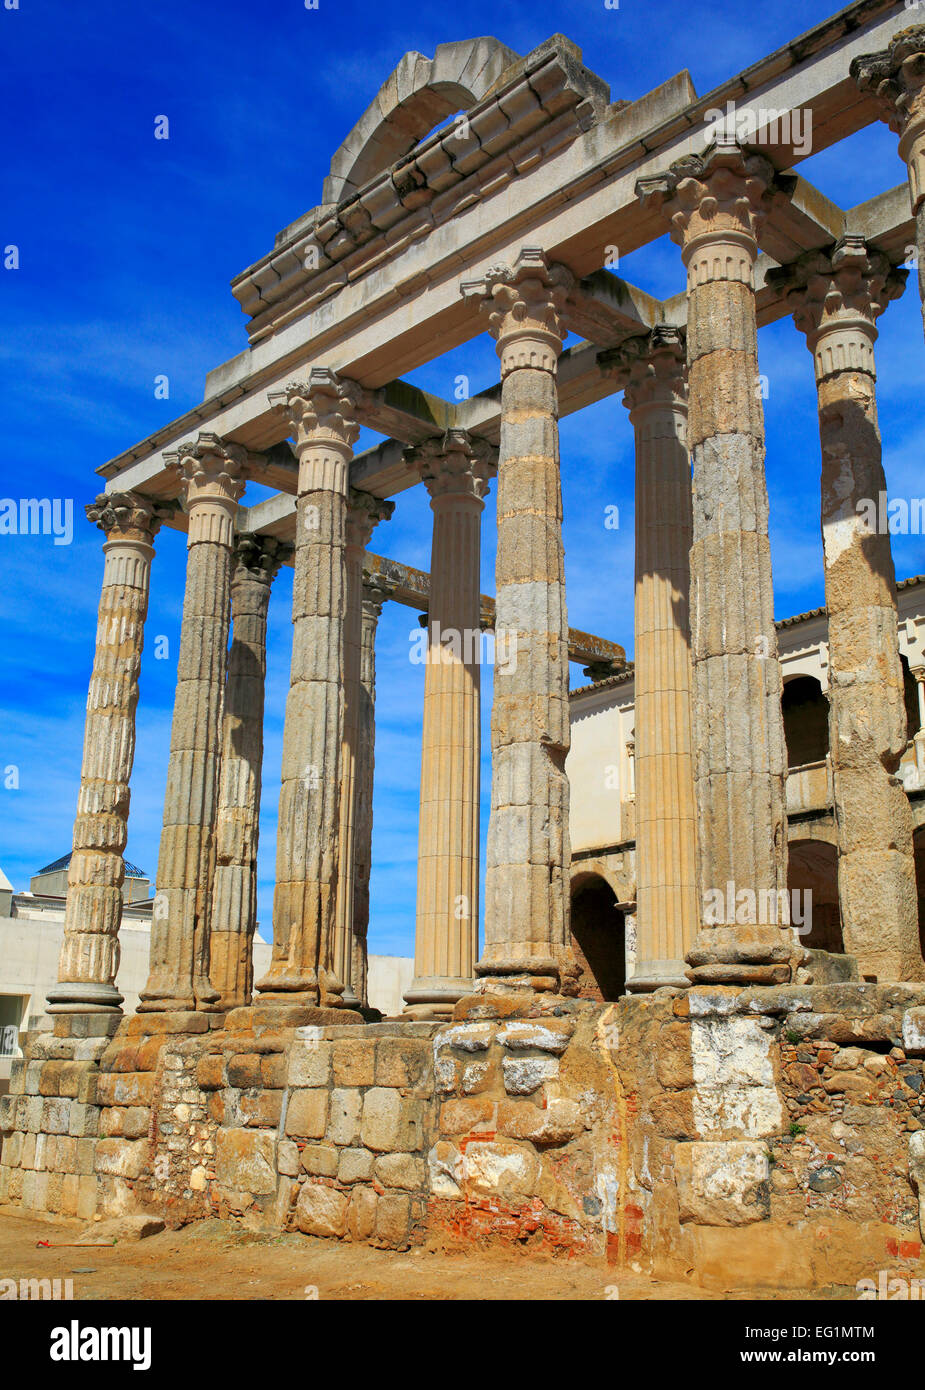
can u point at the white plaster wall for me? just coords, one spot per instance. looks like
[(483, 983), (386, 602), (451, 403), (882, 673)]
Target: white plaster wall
[(597, 768)]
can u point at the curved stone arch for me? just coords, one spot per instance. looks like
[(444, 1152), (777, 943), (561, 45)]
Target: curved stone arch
[(621, 885), (419, 93)]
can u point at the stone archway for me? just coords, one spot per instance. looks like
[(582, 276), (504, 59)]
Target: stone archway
[(418, 95), (813, 868), (598, 938)]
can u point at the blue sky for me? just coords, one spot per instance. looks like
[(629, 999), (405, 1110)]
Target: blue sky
[(127, 245)]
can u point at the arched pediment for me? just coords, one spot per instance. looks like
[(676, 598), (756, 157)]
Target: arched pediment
[(419, 94)]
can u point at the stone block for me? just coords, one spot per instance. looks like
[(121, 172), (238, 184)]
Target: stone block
[(354, 1062), (84, 1119), (393, 1217), (552, 1035), (556, 1123), (244, 1071), (273, 1069), (361, 1213), (86, 1196), (310, 1063), (723, 1184), (136, 1122), (56, 1115), (500, 1168), (320, 1160), (344, 1122), (467, 1116), (50, 1078), (125, 1088), (355, 1165), (70, 1077), (209, 1072), (262, 1109), (321, 1210), (287, 1158), (245, 1160), (307, 1113), (914, 1032), (401, 1170), (469, 1037), (524, 1075), (123, 1158), (402, 1061)]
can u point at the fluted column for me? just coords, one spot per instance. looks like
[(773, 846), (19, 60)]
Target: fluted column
[(321, 414), (653, 373), (364, 512), (836, 297), (237, 827), (527, 938), (716, 204), (896, 77), (456, 470), (376, 591), (210, 473), (89, 960)]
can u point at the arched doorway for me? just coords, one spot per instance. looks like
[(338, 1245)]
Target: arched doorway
[(813, 869), (806, 721), (598, 939)]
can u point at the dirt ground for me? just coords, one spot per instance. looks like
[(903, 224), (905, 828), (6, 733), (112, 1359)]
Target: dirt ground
[(218, 1260)]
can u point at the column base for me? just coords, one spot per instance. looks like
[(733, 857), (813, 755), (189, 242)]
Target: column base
[(650, 975), (434, 996), (741, 955), (78, 997)]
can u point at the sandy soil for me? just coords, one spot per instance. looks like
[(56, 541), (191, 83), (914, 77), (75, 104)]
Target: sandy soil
[(218, 1260)]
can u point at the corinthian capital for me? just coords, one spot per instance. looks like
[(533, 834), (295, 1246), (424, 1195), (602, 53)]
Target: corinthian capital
[(838, 295), (455, 464), (524, 304), (321, 410), (208, 469), (651, 368), (724, 194), (364, 512), (128, 515), (895, 77), (259, 557)]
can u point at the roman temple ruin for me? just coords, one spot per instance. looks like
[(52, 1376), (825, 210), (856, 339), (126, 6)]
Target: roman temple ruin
[(745, 1098)]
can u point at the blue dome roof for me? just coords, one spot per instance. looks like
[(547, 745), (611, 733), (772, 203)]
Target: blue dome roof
[(131, 870)]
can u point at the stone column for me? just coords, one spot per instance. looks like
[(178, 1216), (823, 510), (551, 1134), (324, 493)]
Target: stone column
[(653, 373), (237, 827), (89, 960), (363, 514), (896, 77), (716, 204), (210, 474), (456, 470), (321, 414), (375, 592), (527, 937), (836, 297)]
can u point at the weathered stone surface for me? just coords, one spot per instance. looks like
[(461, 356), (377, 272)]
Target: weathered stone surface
[(307, 1113), (321, 1210), (722, 1184), (245, 1160)]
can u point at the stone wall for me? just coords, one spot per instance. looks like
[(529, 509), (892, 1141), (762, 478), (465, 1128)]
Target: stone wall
[(734, 1137)]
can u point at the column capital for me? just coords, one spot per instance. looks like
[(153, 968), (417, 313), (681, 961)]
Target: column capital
[(895, 77), (454, 464), (364, 512), (836, 296), (377, 590), (259, 557), (127, 516), (651, 368), (723, 195), (322, 410), (524, 305), (211, 477)]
